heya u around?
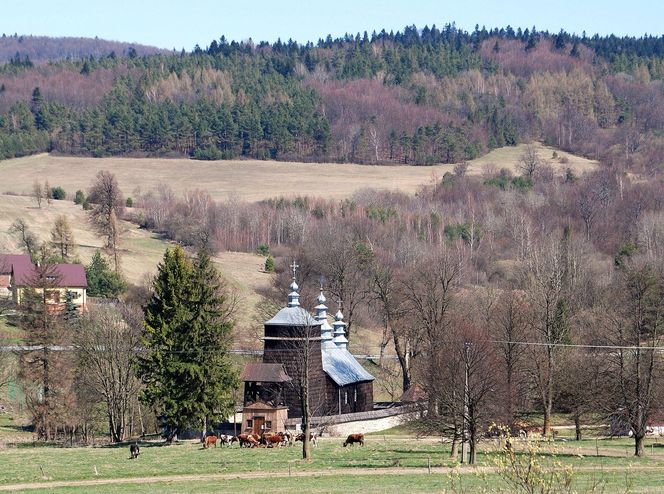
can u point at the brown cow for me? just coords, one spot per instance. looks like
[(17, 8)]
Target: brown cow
[(246, 440), (209, 441), (354, 438), (271, 440)]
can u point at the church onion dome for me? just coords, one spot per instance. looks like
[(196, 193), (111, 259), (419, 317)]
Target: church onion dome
[(293, 314), (321, 317), (339, 326), (294, 295)]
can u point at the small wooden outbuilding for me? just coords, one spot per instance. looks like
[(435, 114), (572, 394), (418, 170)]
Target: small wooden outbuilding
[(260, 417)]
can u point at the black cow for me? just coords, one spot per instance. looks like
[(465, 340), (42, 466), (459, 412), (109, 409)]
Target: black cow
[(134, 450)]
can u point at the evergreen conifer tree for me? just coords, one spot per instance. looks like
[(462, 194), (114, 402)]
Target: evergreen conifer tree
[(187, 375)]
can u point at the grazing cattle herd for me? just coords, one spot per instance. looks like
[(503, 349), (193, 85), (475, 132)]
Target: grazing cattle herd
[(252, 440)]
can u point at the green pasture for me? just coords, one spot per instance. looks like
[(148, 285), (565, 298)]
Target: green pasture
[(388, 463)]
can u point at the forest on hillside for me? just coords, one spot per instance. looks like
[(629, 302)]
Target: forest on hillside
[(39, 49), (417, 96)]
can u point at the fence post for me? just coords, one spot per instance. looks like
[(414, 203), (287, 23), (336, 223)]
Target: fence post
[(289, 474), (429, 464)]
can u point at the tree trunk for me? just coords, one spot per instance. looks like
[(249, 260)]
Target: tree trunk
[(306, 442), (546, 430), (473, 447), (510, 398), (204, 431), (402, 355), (454, 450), (639, 446), (112, 428), (548, 404), (577, 426)]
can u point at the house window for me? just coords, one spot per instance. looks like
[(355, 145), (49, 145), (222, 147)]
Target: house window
[(250, 424), (268, 424), (345, 397)]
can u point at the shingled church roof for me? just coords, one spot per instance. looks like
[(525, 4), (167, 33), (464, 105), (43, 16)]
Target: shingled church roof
[(267, 373), (343, 368)]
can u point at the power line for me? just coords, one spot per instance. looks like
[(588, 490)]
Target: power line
[(578, 345), (237, 351)]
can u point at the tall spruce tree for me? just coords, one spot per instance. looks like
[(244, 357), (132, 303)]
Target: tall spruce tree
[(186, 371), (210, 329)]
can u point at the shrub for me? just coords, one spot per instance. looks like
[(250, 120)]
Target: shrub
[(464, 231), (522, 183), (570, 177), (86, 205), (263, 249), (209, 153), (269, 264), (379, 213), (58, 193), (625, 251), (130, 202), (79, 198), (318, 212)]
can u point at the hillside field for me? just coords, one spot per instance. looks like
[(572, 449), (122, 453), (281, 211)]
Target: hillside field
[(141, 251), (253, 180)]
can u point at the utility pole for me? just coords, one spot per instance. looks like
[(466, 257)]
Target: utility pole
[(465, 450)]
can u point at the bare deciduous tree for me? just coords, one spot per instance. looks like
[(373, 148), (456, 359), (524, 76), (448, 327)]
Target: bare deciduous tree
[(341, 257), (529, 161), (27, 240), (37, 192), (108, 340), (62, 238), (549, 281), (634, 322), (109, 205), (46, 373), (508, 327), (47, 192)]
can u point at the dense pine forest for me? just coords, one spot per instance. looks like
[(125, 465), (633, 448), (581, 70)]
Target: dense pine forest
[(417, 96)]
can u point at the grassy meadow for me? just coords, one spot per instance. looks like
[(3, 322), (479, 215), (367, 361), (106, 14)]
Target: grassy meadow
[(387, 463), (253, 180)]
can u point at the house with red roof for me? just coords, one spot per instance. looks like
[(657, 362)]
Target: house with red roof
[(7, 262), (55, 279)]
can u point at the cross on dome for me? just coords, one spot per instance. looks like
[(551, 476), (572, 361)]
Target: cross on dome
[(294, 267)]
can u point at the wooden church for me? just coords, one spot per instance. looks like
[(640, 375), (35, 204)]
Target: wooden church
[(297, 344)]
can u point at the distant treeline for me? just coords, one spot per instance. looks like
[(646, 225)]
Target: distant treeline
[(416, 96)]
